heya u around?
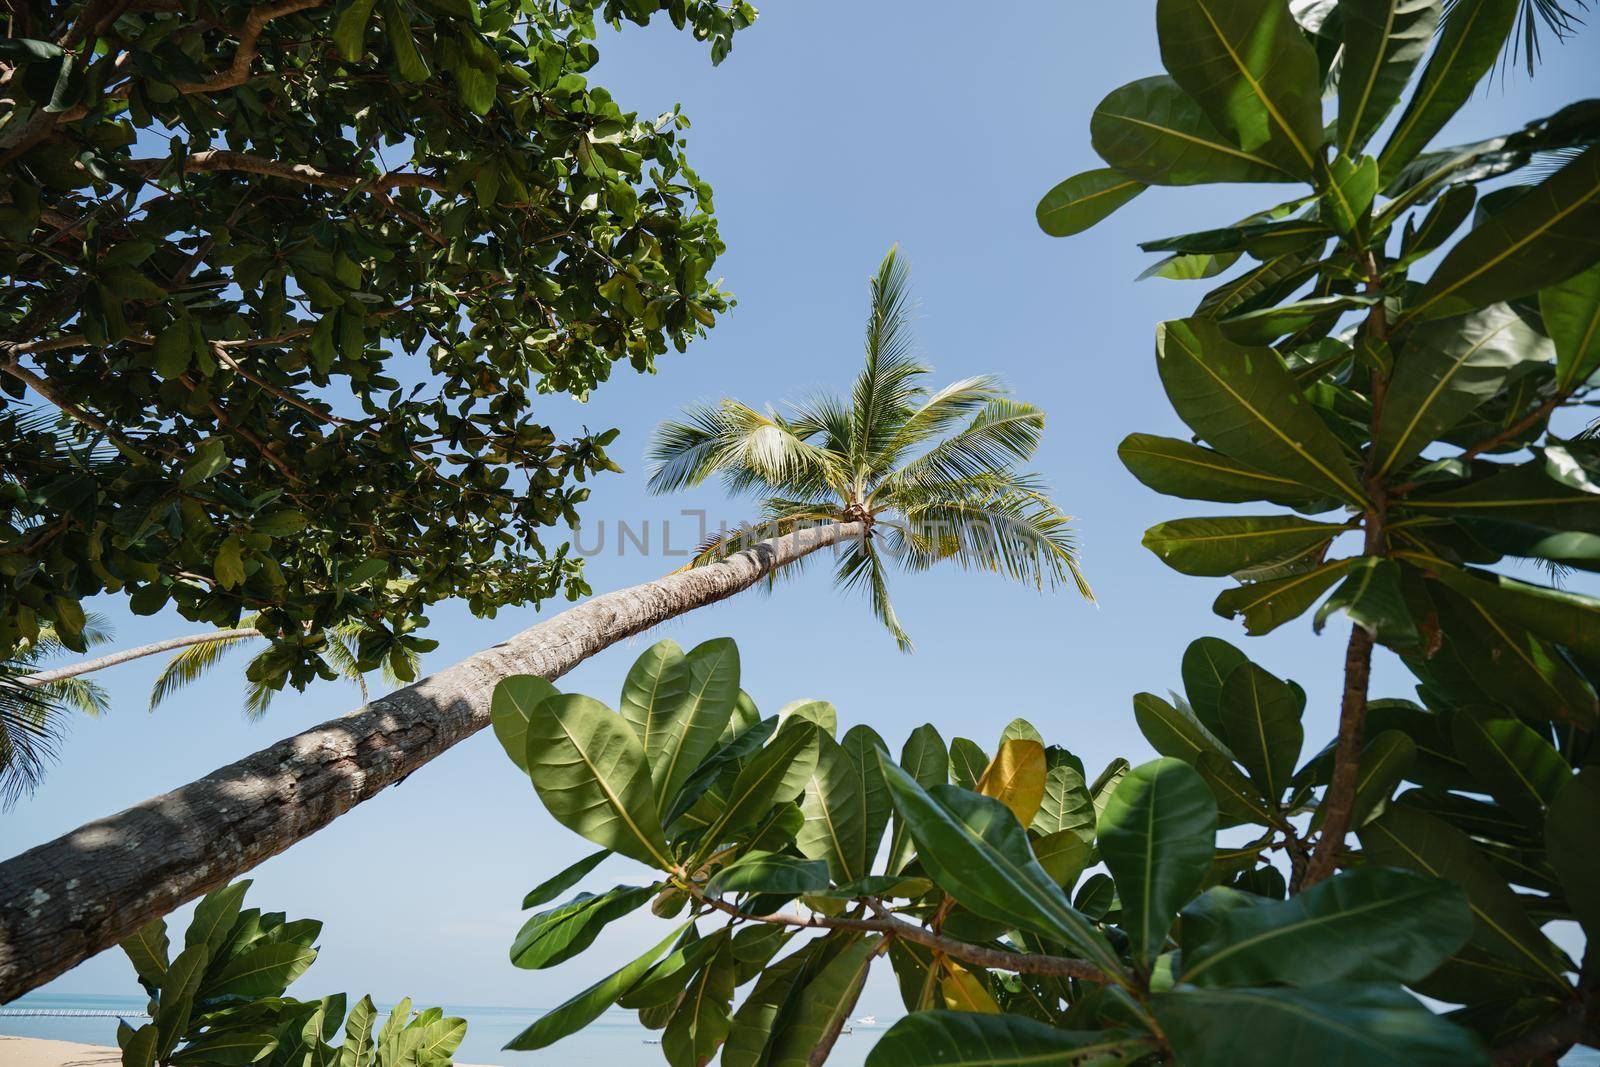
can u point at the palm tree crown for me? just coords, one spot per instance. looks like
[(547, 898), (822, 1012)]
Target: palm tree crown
[(932, 474)]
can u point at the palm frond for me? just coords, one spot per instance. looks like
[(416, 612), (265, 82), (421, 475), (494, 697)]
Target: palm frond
[(887, 386), (80, 694), (1016, 532), (1523, 44), (32, 727), (342, 653), (941, 410), (187, 665), (749, 449), (824, 416), (1005, 432), (860, 568)]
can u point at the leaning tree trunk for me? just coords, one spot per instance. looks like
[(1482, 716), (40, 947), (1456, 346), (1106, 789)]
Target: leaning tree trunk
[(66, 900)]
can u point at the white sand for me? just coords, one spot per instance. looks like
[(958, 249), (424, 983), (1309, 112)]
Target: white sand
[(37, 1052)]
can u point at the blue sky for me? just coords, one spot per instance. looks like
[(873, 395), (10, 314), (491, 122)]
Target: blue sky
[(833, 131)]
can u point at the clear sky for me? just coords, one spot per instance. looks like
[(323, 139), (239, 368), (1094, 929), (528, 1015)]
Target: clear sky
[(834, 130)]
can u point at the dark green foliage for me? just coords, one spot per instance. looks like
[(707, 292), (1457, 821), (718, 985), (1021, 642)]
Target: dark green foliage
[(1433, 412), (296, 273), (220, 999), (982, 905)]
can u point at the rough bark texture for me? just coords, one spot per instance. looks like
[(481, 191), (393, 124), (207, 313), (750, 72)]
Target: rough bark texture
[(155, 648), (66, 900)]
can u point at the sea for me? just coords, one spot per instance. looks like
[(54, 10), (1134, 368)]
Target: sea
[(615, 1039)]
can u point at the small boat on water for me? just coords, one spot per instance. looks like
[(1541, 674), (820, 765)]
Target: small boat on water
[(867, 1020)]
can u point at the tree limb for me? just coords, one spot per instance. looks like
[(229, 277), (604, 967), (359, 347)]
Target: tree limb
[(155, 648)]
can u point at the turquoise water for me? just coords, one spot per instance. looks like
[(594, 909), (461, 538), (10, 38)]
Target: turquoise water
[(615, 1039)]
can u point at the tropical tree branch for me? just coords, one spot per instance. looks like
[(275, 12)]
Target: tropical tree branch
[(155, 648)]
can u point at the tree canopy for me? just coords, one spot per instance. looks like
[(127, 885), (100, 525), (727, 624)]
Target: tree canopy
[(284, 280)]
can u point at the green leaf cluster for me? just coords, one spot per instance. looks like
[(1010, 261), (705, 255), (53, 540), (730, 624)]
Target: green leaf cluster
[(220, 1000), (965, 874), (1399, 365), (283, 285)]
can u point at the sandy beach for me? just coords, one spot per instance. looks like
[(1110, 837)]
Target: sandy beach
[(37, 1052)]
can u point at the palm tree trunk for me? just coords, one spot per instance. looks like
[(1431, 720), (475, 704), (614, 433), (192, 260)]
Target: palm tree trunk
[(155, 648), (66, 900)]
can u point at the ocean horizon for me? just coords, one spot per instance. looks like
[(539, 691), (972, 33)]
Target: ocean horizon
[(616, 1038)]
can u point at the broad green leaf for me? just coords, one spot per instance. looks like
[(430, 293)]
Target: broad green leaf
[(762, 783), (554, 886), (589, 769), (1156, 838), (1569, 836), (1571, 313), (1329, 1025), (358, 1048), (825, 1003), (1267, 605), (1511, 763), (1570, 548), (653, 695), (671, 974), (1347, 193), (350, 27), (1405, 837), (1544, 236), (1232, 543), (587, 1006), (978, 853), (820, 712), (1261, 724), (1084, 199), (1445, 370), (265, 971), (926, 759), (1385, 761), (703, 1018), (1442, 220), (764, 1007), (917, 971), (1207, 662), (1464, 53), (692, 733), (227, 1048), (1065, 804), (509, 710), (737, 748), (1106, 782), (146, 949), (1384, 40), (1239, 800), (1020, 728), (767, 872), (1569, 619), (214, 917), (1264, 325), (553, 936), (1275, 279), (835, 810), (1064, 855), (1251, 70), (1365, 925), (1175, 731), (966, 1039), (1016, 778), (1526, 493), (1247, 405), (862, 746), (968, 761), (1371, 596), (409, 61), (1153, 131), (1184, 469), (141, 1048)]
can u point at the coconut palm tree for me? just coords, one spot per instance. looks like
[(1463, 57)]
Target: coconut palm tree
[(930, 473), (35, 717), (921, 477)]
